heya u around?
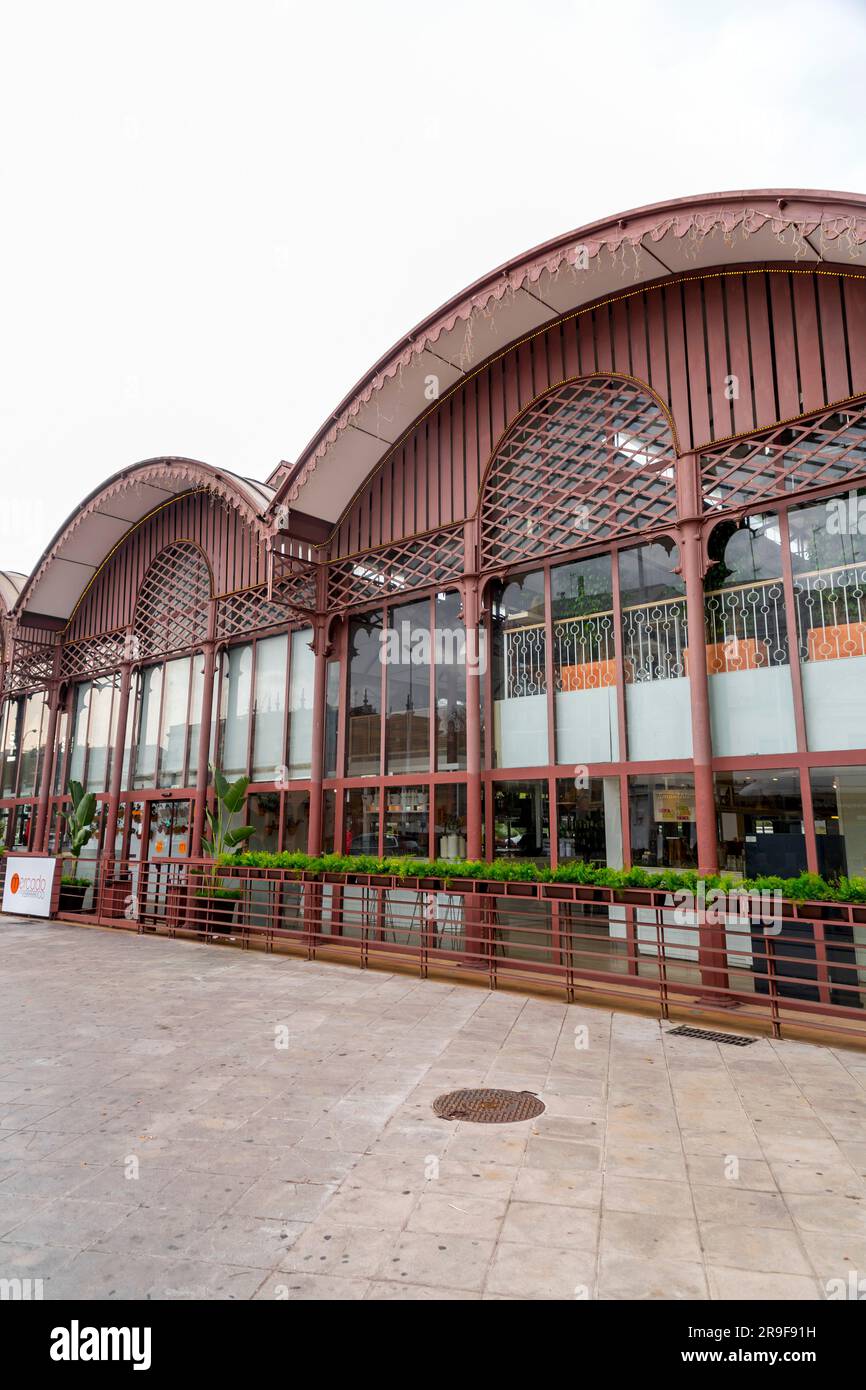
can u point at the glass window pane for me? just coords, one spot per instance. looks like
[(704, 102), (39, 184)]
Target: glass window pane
[(828, 554), (297, 821), (235, 711), (332, 716), (32, 742), (760, 817), (581, 819), (150, 691), (449, 838), (655, 660), (301, 703), (12, 716), (584, 662), (99, 734), (519, 651), (662, 819), (407, 821), (195, 700), (264, 809), (839, 805), (361, 828), (329, 821), (521, 821), (172, 744), (59, 758), (78, 750), (450, 656), (268, 755), (407, 660), (748, 665), (363, 724)]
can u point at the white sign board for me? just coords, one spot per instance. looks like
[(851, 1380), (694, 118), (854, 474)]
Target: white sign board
[(27, 886)]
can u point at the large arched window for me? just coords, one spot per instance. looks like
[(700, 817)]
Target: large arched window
[(591, 461), (172, 608)]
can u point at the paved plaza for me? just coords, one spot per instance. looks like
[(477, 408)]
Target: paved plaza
[(190, 1121)]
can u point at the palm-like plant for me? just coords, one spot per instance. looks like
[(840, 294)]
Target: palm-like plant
[(224, 834), (79, 823)]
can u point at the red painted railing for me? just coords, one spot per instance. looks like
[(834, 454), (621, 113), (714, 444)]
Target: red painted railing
[(805, 971)]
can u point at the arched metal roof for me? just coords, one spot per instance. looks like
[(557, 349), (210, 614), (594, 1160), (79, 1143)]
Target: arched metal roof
[(620, 253), (96, 527)]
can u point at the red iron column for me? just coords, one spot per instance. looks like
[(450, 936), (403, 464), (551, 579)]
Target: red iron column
[(712, 955), (475, 655), (204, 735), (40, 834), (116, 785)]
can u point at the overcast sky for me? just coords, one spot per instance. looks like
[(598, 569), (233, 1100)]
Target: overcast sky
[(216, 215)]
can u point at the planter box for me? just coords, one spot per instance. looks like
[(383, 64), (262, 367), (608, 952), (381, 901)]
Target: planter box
[(72, 897)]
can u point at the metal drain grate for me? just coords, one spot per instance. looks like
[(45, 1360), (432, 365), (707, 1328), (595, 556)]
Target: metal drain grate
[(709, 1036), (488, 1107)]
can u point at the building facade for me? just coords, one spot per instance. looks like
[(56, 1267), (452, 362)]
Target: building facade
[(577, 571)]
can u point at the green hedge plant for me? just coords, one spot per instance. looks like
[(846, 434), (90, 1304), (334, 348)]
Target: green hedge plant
[(804, 888)]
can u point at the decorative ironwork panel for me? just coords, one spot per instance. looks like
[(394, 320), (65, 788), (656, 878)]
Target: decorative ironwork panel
[(413, 564), (525, 662), (829, 448), (831, 612), (589, 462), (654, 641), (31, 666), (94, 654), (172, 609), (584, 652), (746, 627)]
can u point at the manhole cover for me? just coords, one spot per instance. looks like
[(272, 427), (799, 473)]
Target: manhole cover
[(708, 1035), (488, 1107)]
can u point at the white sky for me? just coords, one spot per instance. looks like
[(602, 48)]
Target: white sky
[(215, 216)]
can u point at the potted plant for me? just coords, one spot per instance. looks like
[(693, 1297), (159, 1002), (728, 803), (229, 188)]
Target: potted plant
[(79, 827), (216, 900)]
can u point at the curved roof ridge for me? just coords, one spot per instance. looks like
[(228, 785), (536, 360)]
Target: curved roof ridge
[(782, 224)]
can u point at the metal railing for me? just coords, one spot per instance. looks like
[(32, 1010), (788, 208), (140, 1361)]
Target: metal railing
[(804, 973), (831, 612), (746, 627)]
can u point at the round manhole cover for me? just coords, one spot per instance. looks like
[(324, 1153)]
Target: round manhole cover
[(488, 1107)]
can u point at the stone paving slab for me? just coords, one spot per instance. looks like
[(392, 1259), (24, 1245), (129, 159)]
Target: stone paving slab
[(180, 1121)]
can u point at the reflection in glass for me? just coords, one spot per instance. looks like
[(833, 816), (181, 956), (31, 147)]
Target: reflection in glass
[(518, 656), (450, 657), (663, 823), (363, 725), (301, 703), (407, 652), (270, 707), (235, 710), (760, 815)]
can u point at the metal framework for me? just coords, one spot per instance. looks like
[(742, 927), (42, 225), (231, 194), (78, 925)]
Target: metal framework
[(647, 417)]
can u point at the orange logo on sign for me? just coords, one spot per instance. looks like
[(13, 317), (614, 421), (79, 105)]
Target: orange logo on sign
[(181, 849), (15, 883), (159, 846)]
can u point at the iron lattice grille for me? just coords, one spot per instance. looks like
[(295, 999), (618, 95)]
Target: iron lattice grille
[(31, 667), (591, 461), (413, 564), (830, 448), (92, 655), (172, 609)]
